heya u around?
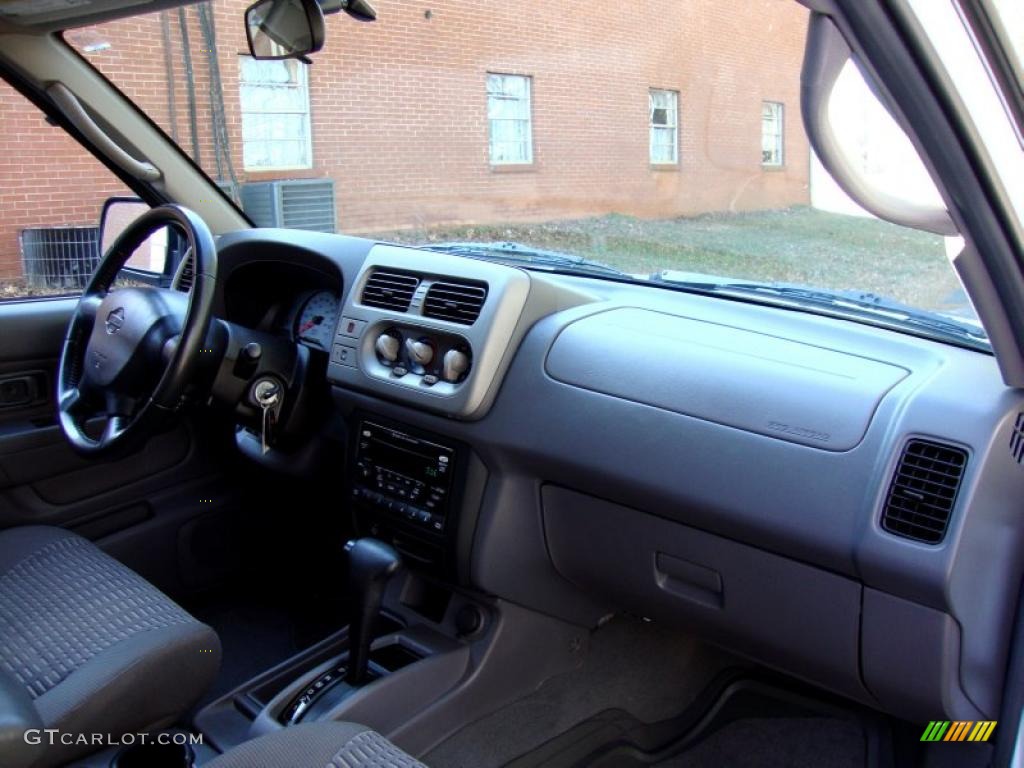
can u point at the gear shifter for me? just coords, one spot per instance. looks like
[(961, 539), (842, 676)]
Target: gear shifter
[(370, 564)]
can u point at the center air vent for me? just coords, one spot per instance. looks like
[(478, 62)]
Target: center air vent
[(390, 290), (457, 302), (924, 490)]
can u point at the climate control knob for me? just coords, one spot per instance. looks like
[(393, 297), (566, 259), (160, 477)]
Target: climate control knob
[(387, 346), (420, 352), (456, 363)]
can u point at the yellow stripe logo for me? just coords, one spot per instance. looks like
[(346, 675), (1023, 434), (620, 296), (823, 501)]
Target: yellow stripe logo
[(959, 730)]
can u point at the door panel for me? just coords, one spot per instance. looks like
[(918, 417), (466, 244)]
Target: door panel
[(31, 334), (143, 507)]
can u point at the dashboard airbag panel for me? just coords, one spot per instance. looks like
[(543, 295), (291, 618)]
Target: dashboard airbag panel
[(737, 377)]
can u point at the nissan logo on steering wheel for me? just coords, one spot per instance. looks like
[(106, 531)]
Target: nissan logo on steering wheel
[(115, 320)]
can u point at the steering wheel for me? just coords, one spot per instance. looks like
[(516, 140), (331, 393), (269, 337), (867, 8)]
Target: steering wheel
[(129, 354)]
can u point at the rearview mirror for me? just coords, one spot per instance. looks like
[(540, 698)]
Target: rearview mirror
[(284, 29)]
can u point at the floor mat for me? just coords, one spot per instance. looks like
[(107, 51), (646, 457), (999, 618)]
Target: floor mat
[(737, 721), (649, 671), (773, 742)]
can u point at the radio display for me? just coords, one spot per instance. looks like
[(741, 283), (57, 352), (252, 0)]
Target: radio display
[(418, 461)]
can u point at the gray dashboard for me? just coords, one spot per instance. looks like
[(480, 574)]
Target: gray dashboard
[(722, 465)]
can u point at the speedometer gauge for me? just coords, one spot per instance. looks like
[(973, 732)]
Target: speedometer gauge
[(317, 318)]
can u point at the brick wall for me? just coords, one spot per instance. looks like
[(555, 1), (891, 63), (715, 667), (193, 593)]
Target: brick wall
[(400, 113)]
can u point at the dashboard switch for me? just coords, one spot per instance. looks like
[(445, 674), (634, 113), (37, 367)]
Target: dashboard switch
[(351, 327), (388, 346), (344, 355), (456, 363)]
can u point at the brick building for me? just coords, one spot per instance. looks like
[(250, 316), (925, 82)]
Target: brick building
[(449, 111)]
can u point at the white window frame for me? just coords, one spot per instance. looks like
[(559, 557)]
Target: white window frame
[(671, 126), (773, 133), (493, 155), (303, 85)]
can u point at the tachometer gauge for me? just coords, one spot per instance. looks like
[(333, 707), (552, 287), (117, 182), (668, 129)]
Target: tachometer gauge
[(317, 318)]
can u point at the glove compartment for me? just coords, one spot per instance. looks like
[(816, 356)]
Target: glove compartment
[(785, 614)]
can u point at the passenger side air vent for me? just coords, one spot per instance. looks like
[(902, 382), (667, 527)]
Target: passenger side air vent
[(390, 290), (1017, 439), (457, 302), (924, 490)]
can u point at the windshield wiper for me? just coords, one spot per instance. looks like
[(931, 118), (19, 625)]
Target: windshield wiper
[(517, 253), (850, 303)]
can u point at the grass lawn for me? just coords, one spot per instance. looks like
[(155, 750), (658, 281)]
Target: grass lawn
[(799, 245)]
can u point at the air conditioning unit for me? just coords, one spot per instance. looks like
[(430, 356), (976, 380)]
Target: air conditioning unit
[(232, 190), (59, 257), (291, 203)]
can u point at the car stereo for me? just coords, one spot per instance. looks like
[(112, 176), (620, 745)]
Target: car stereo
[(404, 476)]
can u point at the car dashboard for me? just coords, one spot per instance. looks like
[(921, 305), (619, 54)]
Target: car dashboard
[(828, 498)]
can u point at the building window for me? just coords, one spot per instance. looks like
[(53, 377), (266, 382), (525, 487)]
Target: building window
[(509, 117), (275, 115), (771, 133), (664, 127)]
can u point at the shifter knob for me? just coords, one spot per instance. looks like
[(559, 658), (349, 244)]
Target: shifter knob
[(370, 564)]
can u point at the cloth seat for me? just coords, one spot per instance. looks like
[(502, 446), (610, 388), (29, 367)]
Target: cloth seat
[(317, 745), (98, 649)]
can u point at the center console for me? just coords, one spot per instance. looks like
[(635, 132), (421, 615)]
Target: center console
[(406, 489)]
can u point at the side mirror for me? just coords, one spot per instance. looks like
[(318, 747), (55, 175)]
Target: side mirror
[(157, 257), (284, 29)]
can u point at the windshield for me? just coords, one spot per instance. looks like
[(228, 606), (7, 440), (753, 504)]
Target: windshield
[(672, 152)]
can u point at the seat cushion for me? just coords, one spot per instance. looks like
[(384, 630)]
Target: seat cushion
[(317, 745), (99, 649)]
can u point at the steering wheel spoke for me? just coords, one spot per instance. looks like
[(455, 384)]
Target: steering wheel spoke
[(118, 404), (72, 401), (89, 307), (116, 427)]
